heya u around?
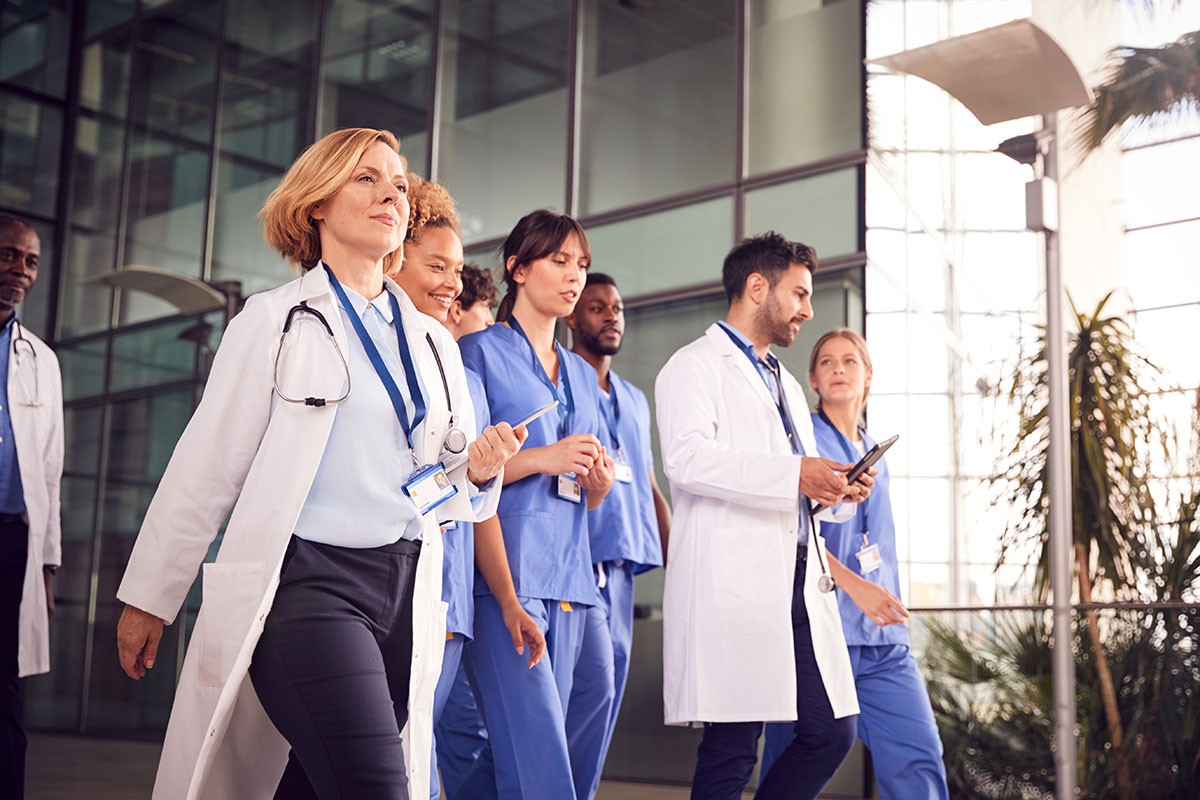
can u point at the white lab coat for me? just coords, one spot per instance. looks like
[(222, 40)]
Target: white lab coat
[(727, 627), (35, 407), (245, 444)]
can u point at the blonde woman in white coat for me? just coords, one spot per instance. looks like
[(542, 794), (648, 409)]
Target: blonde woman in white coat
[(751, 629), (311, 669), (31, 460)]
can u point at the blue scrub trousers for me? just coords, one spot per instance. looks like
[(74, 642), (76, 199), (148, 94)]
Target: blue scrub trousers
[(728, 751), (464, 754), (896, 725), (525, 709), (600, 677)]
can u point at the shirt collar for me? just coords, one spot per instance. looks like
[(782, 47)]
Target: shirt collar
[(382, 304), (747, 345)]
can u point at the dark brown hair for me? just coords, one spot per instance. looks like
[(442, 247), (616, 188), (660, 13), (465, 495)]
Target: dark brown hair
[(536, 235), (478, 287)]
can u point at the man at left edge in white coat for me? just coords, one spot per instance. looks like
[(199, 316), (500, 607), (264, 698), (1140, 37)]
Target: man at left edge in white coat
[(31, 458)]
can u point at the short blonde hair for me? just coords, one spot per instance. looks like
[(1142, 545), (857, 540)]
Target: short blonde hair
[(314, 177)]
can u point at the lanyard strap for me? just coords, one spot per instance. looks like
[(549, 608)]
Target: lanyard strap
[(611, 411), (566, 403), (781, 403), (851, 457), (385, 376)]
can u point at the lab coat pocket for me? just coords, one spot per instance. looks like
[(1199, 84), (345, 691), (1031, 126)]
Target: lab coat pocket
[(232, 594), (746, 568)]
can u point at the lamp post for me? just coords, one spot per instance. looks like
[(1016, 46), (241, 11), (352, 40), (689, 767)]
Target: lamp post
[(1007, 72)]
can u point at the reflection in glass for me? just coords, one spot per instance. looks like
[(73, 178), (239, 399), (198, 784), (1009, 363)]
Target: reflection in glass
[(174, 71), (504, 128), (267, 79), (104, 14), (239, 251), (376, 70), (97, 173), (104, 75), (86, 308), (33, 45), (821, 211), (52, 700), (151, 356), (806, 82), (30, 138), (646, 131), (680, 247)]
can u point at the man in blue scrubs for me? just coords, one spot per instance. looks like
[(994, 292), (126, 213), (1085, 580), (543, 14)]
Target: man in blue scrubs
[(628, 532)]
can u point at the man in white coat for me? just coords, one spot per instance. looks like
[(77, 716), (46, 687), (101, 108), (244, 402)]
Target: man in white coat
[(31, 458), (751, 626)]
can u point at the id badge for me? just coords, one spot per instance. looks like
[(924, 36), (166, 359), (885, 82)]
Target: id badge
[(622, 470), (568, 488), (868, 559), (429, 487)]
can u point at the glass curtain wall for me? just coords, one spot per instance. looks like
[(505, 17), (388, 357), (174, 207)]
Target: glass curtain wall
[(149, 133)]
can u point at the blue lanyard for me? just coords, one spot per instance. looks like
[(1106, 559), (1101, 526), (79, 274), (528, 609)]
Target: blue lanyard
[(785, 413), (567, 403), (851, 457), (611, 411), (385, 376)]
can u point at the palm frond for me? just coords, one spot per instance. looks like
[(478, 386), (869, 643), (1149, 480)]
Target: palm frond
[(1145, 84)]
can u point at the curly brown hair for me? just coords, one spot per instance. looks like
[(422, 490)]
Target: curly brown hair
[(429, 206)]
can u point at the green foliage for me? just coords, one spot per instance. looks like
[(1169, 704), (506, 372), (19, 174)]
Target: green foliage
[(990, 683)]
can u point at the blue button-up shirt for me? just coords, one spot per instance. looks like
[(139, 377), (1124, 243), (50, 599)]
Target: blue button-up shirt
[(357, 498), (12, 496), (769, 370)]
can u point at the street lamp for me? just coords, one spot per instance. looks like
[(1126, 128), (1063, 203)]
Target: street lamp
[(1002, 73)]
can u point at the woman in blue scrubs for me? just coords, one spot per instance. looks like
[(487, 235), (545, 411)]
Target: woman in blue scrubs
[(538, 565), (896, 722)]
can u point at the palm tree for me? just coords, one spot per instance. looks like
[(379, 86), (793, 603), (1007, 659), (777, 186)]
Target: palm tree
[(1115, 438), (1145, 84)]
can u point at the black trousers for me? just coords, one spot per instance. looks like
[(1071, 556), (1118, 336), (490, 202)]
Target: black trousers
[(14, 550), (728, 751), (332, 669)]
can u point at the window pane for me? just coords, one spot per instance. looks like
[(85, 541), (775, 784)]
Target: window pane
[(153, 355), (805, 81), (239, 251), (97, 197), (104, 14), (86, 308), (33, 45), (504, 133), (376, 70), (267, 79), (104, 75), (168, 185), (1160, 183), (30, 138), (646, 132), (82, 368), (1165, 337), (174, 71), (1160, 265), (680, 247), (821, 211)]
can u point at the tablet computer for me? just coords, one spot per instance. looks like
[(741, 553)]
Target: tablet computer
[(864, 464)]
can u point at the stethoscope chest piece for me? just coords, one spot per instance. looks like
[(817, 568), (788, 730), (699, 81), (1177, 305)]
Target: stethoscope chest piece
[(455, 441), (825, 583)]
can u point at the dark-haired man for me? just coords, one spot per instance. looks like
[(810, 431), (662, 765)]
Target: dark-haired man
[(471, 311), (751, 627), (31, 458), (628, 533)]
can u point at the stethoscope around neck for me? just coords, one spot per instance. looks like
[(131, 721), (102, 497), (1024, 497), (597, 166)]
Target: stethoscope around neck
[(22, 346), (455, 440)]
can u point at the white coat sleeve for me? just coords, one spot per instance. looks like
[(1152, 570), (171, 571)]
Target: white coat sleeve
[(207, 469), (52, 461), (695, 460)]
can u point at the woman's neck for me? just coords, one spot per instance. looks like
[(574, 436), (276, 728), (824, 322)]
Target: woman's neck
[(359, 273), (537, 326), (844, 417)]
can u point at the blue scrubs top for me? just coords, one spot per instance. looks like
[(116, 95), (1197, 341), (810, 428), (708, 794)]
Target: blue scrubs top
[(625, 525), (546, 536), (844, 539), (458, 544)]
